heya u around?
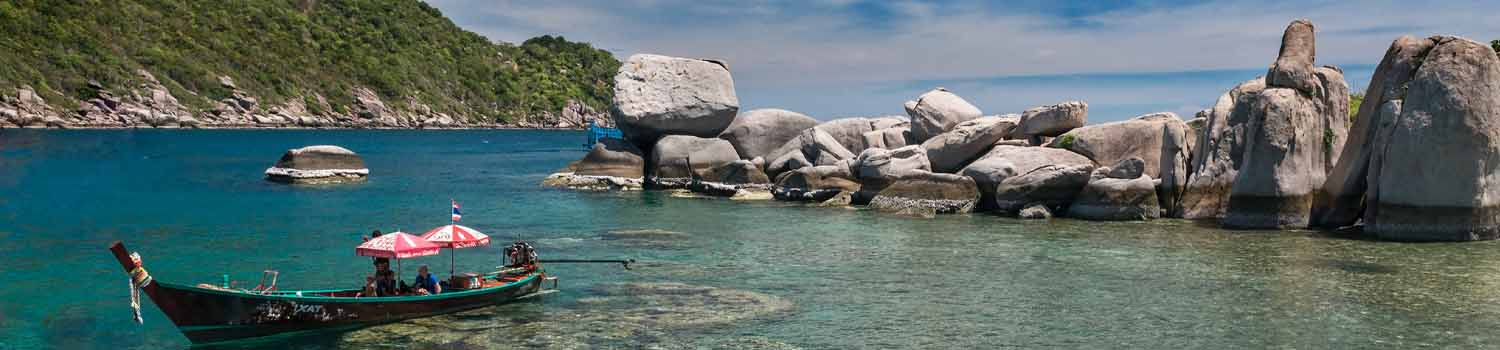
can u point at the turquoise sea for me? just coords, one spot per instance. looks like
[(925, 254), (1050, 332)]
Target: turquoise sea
[(712, 273)]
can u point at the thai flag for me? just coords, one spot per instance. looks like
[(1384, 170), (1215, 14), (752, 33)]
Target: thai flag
[(456, 215)]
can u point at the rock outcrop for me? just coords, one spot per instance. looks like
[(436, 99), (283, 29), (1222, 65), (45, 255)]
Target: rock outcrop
[(681, 158), (1159, 139), (1053, 186), (1342, 196), (1219, 153), (1435, 180), (1005, 161), (322, 164), (938, 111), (757, 133), (814, 184), (612, 157), (657, 96), (1295, 130), (1052, 120), (1121, 192), (876, 168), (925, 194), (1294, 64), (949, 152), (807, 148)]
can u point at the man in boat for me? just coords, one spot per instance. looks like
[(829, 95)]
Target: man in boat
[(426, 284), (385, 279)]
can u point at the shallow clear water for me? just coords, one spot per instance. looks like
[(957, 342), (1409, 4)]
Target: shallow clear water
[(713, 273)]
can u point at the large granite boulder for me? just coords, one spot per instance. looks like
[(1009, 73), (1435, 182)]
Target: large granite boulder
[(1341, 200), (822, 149), (657, 95), (1054, 186), (683, 157), (889, 138), (739, 172), (949, 152), (759, 132), (938, 111), (1295, 135), (612, 157), (877, 168), (1052, 120), (1118, 193), (1294, 64), (1283, 163), (815, 183), (1159, 139), (847, 133), (1436, 178), (322, 164), (1005, 161), (1219, 153), (922, 193)]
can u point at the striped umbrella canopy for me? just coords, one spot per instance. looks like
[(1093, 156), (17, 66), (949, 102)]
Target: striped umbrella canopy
[(399, 245), (456, 236)]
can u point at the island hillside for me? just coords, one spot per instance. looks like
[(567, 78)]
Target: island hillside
[(283, 63)]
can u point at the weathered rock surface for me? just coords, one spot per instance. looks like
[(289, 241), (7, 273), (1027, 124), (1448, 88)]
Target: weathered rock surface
[(1283, 163), (686, 157), (322, 164), (1159, 139), (739, 172), (1341, 198), (816, 183), (759, 132), (877, 168), (1054, 186), (1219, 153), (921, 193), (806, 149), (938, 111), (822, 149), (660, 95), (889, 138), (1294, 64), (1436, 180), (1295, 135), (1121, 192), (1052, 120), (1005, 161), (612, 157), (949, 152)]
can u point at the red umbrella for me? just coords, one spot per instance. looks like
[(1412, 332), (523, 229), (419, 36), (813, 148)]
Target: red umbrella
[(456, 236), (399, 245)]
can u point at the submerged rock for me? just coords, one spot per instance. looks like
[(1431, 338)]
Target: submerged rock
[(322, 164), (657, 95)]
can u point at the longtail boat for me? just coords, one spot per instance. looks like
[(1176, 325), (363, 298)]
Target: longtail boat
[(208, 314)]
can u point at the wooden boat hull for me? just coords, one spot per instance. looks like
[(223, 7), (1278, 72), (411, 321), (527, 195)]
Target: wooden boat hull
[(208, 316)]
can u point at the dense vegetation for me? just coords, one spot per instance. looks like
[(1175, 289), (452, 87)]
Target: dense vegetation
[(1495, 44), (1355, 100), (283, 49)]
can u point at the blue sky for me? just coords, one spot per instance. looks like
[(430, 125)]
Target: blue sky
[(838, 58)]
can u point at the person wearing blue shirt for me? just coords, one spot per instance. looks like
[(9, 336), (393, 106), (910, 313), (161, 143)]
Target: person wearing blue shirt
[(426, 284)]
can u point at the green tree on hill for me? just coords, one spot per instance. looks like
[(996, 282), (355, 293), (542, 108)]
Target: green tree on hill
[(284, 49)]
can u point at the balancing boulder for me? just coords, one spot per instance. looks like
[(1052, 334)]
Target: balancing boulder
[(657, 96), (322, 164)]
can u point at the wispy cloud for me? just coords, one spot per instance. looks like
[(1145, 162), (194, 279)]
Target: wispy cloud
[(782, 50)]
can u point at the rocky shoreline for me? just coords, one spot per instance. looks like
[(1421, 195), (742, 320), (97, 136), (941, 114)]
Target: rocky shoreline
[(1274, 152), (152, 105)]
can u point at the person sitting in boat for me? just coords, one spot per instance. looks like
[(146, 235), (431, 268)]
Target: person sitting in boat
[(426, 284), (385, 279), (369, 289)]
